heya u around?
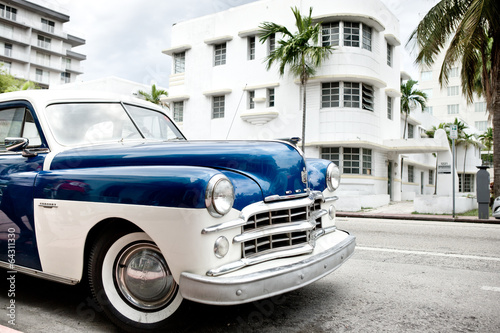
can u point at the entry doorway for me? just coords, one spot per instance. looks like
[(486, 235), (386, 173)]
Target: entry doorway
[(389, 179)]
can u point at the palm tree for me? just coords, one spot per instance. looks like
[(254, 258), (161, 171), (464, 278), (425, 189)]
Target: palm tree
[(154, 96), (300, 52), (469, 30), (487, 140), (26, 85), (410, 98)]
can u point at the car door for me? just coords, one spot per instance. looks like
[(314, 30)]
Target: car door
[(18, 172)]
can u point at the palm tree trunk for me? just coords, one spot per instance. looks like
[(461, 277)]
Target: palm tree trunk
[(406, 122), (495, 111), (463, 175), (436, 177), (303, 86)]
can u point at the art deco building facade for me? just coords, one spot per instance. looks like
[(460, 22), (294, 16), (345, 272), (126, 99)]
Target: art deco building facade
[(35, 45)]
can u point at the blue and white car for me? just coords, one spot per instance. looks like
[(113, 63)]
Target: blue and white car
[(105, 187)]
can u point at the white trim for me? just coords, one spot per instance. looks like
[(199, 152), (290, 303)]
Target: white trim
[(250, 32), (218, 40), (217, 92), (176, 49), (356, 17), (392, 40)]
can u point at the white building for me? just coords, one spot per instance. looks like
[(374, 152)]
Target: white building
[(35, 45), (220, 89)]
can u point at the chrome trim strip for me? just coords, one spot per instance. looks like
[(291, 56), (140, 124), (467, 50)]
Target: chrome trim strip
[(247, 288), (274, 230), (261, 257), (39, 274), (330, 199), (262, 207), (276, 197)]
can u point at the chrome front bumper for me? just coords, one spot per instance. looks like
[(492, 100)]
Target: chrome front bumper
[(229, 290)]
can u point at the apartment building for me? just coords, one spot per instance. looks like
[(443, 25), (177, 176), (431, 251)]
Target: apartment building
[(35, 45), (220, 89)]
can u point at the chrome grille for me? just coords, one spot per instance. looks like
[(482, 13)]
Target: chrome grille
[(270, 241)]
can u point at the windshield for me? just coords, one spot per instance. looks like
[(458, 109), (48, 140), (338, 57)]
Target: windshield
[(84, 123)]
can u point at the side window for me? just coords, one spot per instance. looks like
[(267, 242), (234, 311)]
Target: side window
[(18, 122)]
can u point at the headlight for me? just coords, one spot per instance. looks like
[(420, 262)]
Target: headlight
[(219, 197), (332, 177)]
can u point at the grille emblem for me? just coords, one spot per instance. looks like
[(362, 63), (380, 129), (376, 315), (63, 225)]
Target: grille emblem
[(304, 176)]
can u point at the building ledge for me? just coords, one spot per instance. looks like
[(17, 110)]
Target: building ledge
[(393, 40), (250, 32), (217, 92), (259, 118), (176, 49), (392, 92), (177, 98), (369, 20), (376, 82), (218, 40)]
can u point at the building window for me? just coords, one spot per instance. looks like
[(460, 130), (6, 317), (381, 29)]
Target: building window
[(178, 112), (48, 25), (367, 37), (367, 161), (481, 126), (220, 54), (431, 177), (179, 62), (347, 94), (270, 97), (468, 182), (411, 130), (351, 161), (480, 107), (218, 104), (5, 66), (330, 34), (428, 109), (42, 76), (8, 50), (331, 154), (251, 48), (43, 42), (8, 12), (65, 77), (272, 43), (6, 31), (453, 109), (351, 34), (43, 59), (454, 72), (426, 76), (67, 62), (411, 171), (251, 96), (389, 54), (427, 92), (453, 91), (389, 107)]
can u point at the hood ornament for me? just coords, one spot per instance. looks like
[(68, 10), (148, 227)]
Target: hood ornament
[(304, 176)]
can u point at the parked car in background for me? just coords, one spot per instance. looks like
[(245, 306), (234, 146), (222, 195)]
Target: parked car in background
[(495, 209), (108, 187)]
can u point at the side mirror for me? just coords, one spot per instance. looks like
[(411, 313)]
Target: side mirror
[(16, 144)]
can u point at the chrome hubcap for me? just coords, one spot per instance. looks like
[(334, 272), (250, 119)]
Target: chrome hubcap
[(143, 277)]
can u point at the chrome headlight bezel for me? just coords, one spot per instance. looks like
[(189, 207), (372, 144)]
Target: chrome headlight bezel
[(332, 177), (219, 196)]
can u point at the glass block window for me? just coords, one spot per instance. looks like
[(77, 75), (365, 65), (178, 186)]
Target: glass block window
[(218, 105), (178, 112), (431, 177), (367, 37), (330, 34), (220, 54), (180, 62), (465, 182), (389, 55)]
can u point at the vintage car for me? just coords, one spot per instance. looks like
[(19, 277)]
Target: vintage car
[(106, 190), (495, 208)]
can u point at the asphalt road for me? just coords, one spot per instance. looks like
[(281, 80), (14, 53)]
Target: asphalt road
[(405, 276)]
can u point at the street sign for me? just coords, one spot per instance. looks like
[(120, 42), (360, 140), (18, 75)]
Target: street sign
[(454, 132)]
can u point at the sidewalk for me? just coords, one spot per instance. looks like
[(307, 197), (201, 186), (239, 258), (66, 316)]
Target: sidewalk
[(403, 211)]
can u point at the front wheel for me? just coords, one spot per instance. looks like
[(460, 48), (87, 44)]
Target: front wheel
[(130, 279)]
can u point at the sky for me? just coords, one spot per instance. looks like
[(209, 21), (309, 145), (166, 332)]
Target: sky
[(124, 38)]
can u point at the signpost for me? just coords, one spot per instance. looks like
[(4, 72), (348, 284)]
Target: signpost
[(453, 136)]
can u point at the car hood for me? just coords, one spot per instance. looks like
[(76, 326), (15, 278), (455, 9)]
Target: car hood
[(277, 167)]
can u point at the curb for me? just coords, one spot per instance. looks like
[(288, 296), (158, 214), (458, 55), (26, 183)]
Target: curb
[(420, 217)]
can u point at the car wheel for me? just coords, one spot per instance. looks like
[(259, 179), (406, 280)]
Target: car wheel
[(130, 280)]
